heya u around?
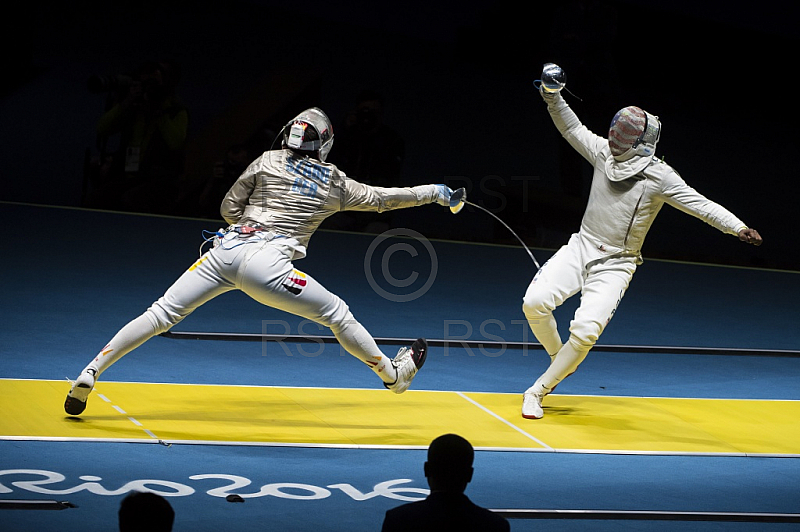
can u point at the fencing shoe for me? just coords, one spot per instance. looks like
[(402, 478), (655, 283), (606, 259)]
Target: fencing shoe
[(76, 398), (407, 362), (532, 401)]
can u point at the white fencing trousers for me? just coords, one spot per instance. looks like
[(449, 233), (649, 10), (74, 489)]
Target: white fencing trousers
[(601, 282), (257, 267)]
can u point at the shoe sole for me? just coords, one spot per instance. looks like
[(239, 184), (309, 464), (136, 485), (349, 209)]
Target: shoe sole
[(415, 347), (419, 353), (74, 406)]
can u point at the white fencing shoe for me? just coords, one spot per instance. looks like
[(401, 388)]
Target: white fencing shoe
[(407, 362), (532, 401), (76, 398)]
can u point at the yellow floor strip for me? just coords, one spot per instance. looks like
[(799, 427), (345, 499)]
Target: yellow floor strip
[(659, 425), (32, 409)]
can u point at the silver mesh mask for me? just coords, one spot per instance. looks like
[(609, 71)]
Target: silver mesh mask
[(295, 137)]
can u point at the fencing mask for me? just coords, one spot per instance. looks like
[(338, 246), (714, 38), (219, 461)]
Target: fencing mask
[(310, 131), (633, 132)]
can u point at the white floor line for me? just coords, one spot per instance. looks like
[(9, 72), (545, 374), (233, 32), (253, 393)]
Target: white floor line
[(131, 419), (356, 446), (529, 436)]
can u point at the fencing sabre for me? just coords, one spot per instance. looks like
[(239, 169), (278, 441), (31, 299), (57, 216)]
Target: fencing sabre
[(459, 198)]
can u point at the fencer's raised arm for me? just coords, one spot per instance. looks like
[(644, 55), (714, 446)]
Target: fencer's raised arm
[(569, 125)]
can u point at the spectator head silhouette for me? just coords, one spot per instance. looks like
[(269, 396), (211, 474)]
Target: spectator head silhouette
[(145, 511), (449, 465)]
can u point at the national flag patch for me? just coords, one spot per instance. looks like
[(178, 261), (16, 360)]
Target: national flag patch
[(295, 282)]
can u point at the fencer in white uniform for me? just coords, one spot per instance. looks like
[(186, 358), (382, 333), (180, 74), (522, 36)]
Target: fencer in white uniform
[(273, 209), (629, 187)]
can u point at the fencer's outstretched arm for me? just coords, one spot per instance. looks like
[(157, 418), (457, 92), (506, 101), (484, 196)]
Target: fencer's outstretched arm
[(260, 188), (292, 196), (360, 197), (685, 198)]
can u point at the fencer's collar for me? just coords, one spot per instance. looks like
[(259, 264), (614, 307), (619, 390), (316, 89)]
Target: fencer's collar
[(622, 170)]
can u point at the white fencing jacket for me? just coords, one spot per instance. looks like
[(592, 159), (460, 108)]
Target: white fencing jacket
[(291, 196), (625, 197)]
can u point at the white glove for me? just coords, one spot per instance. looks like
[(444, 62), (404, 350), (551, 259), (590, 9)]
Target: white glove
[(442, 195)]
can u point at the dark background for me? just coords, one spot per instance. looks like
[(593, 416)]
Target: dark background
[(457, 82)]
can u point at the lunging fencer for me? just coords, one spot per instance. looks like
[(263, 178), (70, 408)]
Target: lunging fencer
[(273, 209), (629, 187)]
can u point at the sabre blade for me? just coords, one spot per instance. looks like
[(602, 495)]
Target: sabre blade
[(510, 230)]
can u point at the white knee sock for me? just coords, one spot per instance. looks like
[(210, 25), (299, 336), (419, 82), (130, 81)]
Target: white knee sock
[(565, 363), (359, 343)]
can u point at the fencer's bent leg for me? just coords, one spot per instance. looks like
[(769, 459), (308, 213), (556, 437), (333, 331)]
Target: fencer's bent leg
[(602, 292), (300, 294), (603, 288), (557, 280)]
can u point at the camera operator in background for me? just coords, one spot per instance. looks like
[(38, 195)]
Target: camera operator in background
[(143, 173)]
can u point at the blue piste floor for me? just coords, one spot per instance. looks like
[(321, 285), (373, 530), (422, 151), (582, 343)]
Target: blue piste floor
[(74, 277)]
